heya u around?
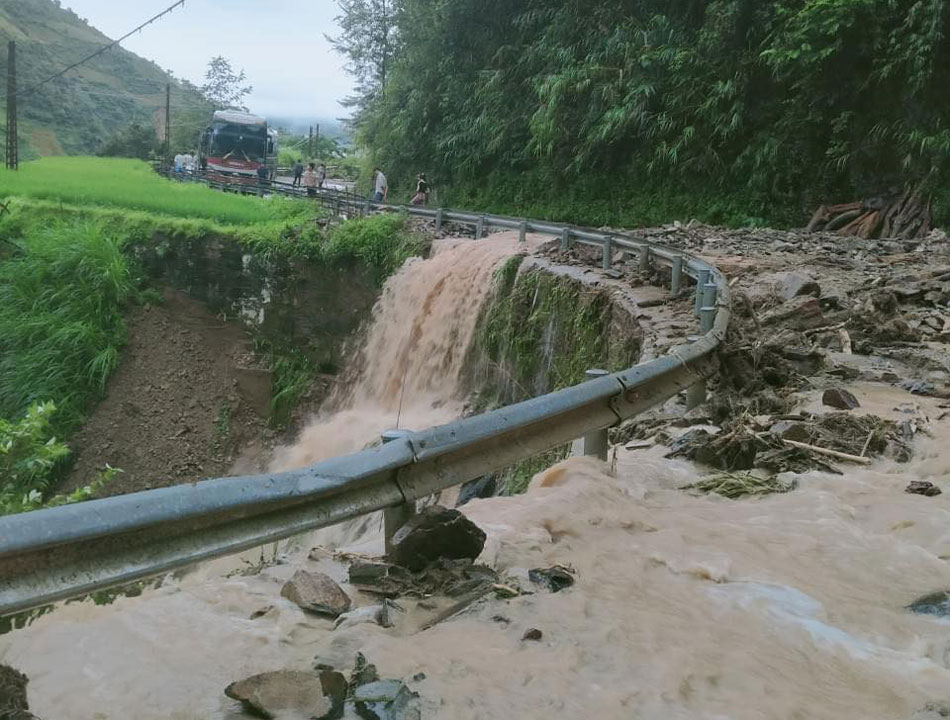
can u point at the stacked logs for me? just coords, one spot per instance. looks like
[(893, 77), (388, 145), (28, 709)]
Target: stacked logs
[(907, 216)]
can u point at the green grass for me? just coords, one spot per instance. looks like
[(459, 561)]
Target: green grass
[(132, 185), (62, 297)]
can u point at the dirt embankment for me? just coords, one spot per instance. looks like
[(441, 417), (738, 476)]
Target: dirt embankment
[(186, 403)]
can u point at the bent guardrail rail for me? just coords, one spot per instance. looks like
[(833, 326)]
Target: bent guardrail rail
[(64, 552)]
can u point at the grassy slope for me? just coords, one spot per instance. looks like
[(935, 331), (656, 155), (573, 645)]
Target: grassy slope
[(75, 113)]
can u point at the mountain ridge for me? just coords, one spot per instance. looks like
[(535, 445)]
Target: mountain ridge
[(78, 112)]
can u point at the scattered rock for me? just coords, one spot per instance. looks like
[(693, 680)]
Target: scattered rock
[(919, 387), (379, 614), (554, 578), (840, 398), (261, 612), (364, 673), (532, 634), (13, 701), (790, 285), (799, 314), (483, 487), (932, 711), (791, 430), (419, 677), (316, 592), (292, 692), (921, 487), (937, 603), (386, 700), (436, 533)]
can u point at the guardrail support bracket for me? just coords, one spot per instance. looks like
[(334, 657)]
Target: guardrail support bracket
[(608, 256), (595, 443), (480, 228), (523, 231), (438, 220), (644, 259), (565, 239), (395, 517), (676, 276)]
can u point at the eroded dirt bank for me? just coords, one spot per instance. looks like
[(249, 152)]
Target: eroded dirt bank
[(186, 399)]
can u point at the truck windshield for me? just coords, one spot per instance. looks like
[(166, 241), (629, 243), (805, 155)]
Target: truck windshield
[(238, 142)]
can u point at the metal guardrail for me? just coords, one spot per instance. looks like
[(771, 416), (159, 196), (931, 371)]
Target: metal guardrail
[(68, 551)]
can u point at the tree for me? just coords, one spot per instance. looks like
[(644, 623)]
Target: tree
[(134, 141), (368, 40), (224, 88)]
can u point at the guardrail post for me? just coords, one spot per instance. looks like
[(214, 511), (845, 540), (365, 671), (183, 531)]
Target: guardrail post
[(523, 231), (645, 259), (565, 239), (480, 227), (608, 256), (676, 276), (395, 517), (438, 220), (701, 279), (707, 318), (695, 393), (595, 443)]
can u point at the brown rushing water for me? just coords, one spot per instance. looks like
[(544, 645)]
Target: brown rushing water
[(786, 607)]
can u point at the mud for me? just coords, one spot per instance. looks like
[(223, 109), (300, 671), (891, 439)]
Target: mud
[(187, 398)]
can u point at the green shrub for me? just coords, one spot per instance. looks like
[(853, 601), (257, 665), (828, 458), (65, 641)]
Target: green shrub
[(381, 242), (28, 455)]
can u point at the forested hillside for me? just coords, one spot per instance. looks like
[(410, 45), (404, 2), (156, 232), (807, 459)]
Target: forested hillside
[(77, 113), (608, 110)]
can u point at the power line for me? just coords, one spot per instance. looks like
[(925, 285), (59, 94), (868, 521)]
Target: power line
[(100, 51)]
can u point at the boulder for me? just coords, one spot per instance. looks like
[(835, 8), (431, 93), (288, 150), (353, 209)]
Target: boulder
[(840, 398), (317, 593), (532, 634), (554, 578), (379, 614), (483, 487), (386, 700), (790, 285), (13, 702), (791, 430), (292, 693), (434, 534), (798, 314), (937, 603), (921, 487)]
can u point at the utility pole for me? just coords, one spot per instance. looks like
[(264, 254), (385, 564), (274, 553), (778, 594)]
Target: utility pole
[(310, 145), (168, 125), (12, 145)]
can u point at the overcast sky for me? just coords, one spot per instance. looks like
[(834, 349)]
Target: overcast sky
[(279, 43)]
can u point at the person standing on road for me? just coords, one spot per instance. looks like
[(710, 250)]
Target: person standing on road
[(263, 176), (179, 162), (321, 174), (381, 187), (298, 173), (310, 179), (422, 190)]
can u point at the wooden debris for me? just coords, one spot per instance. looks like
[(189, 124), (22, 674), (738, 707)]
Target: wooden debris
[(907, 216), (830, 453)]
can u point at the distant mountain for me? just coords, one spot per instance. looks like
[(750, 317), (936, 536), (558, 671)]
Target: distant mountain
[(329, 127), (77, 112)]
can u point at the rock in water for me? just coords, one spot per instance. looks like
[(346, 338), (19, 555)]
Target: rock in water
[(292, 693), (554, 578), (921, 487), (937, 603), (386, 700), (840, 398), (13, 703), (436, 533), (483, 487), (316, 592)]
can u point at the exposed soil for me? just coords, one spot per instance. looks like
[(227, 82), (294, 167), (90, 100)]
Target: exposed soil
[(185, 402)]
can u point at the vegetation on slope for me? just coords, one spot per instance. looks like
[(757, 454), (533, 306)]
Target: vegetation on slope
[(77, 113), (629, 111)]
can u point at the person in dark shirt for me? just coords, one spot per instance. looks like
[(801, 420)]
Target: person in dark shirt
[(422, 190), (298, 173), (263, 176)]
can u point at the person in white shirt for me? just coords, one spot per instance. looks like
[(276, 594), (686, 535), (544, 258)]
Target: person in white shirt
[(381, 188), (179, 162)]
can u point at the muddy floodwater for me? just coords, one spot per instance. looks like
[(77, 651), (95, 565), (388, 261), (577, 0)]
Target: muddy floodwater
[(786, 607)]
